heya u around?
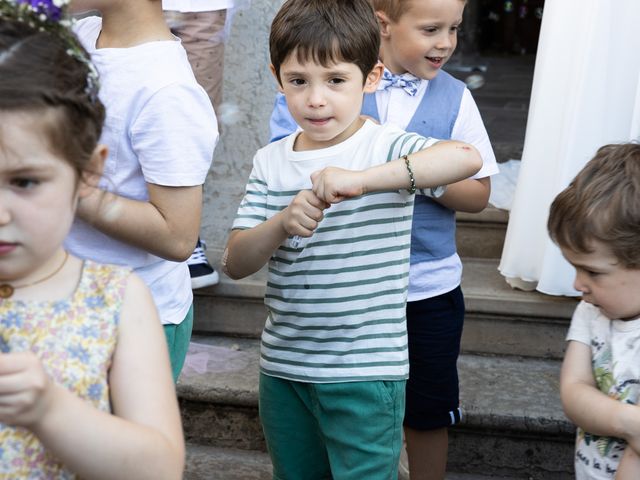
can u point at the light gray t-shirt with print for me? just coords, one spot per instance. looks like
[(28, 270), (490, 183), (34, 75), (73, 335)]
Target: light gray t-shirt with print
[(615, 357)]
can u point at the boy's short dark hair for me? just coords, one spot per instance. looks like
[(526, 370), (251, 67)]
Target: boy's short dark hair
[(394, 9), (325, 31), (602, 204)]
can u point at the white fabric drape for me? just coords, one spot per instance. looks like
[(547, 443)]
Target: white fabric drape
[(586, 93)]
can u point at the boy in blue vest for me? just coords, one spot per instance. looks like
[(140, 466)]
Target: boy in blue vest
[(418, 37), (330, 210)]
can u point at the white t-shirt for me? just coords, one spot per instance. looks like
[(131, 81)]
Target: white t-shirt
[(160, 129), (615, 359), (435, 277), (196, 5), (336, 300)]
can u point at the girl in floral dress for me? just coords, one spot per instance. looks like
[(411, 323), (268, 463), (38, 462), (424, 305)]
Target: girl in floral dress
[(85, 383)]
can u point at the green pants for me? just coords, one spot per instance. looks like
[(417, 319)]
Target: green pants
[(339, 431), (178, 337)]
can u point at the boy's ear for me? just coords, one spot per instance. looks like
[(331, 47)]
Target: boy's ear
[(275, 75), (93, 172), (372, 80), (383, 21)]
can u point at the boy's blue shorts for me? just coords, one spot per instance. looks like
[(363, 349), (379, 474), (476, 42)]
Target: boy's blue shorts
[(344, 431), (434, 327)]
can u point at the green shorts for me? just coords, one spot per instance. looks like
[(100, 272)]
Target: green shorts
[(340, 431), (178, 337)]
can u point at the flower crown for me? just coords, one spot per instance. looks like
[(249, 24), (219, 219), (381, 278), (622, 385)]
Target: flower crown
[(52, 16)]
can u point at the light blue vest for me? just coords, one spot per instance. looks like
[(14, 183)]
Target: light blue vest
[(433, 234)]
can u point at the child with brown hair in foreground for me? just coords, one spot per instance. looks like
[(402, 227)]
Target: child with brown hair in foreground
[(596, 223)]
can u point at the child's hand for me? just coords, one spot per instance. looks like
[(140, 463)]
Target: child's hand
[(92, 201), (629, 467), (334, 184), (303, 214), (633, 441), (25, 389)]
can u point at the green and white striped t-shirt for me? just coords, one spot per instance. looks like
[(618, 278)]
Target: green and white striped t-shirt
[(336, 300)]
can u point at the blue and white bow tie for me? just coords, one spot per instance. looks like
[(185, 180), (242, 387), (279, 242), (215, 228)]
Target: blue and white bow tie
[(406, 81)]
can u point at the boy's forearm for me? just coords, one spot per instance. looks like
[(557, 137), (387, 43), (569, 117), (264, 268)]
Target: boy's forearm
[(143, 224), (470, 195), (629, 467), (441, 164), (597, 413), (249, 250), (76, 433)]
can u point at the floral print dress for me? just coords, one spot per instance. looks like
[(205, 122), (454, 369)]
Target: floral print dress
[(75, 338)]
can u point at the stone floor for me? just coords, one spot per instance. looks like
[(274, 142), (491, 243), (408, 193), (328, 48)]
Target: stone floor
[(207, 463), (224, 370)]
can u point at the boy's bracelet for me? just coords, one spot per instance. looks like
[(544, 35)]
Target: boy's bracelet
[(412, 188)]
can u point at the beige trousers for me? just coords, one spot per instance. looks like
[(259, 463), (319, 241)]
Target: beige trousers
[(202, 35)]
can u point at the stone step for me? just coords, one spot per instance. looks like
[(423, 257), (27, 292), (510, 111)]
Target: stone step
[(215, 463), (513, 423), (499, 320), (481, 235), (205, 462), (504, 321)]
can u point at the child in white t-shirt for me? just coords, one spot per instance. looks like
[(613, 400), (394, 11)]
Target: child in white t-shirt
[(202, 27), (596, 223), (161, 132)]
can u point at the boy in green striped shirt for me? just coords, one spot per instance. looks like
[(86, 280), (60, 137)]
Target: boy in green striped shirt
[(329, 209)]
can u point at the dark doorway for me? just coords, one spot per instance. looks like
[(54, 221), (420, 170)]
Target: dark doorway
[(495, 57), (509, 26)]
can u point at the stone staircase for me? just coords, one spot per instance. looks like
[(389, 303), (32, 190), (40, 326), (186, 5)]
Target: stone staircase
[(512, 345)]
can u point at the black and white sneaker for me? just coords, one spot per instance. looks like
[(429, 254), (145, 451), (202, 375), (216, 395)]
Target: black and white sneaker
[(202, 273)]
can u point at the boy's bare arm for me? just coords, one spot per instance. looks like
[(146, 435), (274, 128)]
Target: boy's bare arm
[(249, 250), (166, 225), (470, 195), (145, 423), (441, 164), (588, 407), (629, 467)]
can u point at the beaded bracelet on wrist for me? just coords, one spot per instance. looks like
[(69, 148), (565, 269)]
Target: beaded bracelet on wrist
[(412, 180)]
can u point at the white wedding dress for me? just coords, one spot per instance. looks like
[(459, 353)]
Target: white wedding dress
[(586, 93)]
